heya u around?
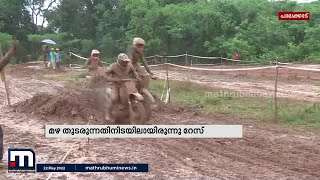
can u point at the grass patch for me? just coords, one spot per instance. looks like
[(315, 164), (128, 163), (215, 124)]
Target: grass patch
[(231, 102), (298, 114)]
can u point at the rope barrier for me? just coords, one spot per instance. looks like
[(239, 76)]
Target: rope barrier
[(233, 60), (303, 69), (181, 55), (200, 57), (206, 65), (71, 53), (281, 65), (165, 56), (219, 70), (238, 69)]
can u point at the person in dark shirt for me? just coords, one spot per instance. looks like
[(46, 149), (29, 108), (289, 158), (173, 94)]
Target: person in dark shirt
[(46, 53)]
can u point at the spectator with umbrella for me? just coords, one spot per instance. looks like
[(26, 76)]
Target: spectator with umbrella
[(53, 58), (47, 51)]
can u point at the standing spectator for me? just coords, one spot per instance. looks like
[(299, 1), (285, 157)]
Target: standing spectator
[(58, 58), (53, 58), (236, 56), (46, 52)]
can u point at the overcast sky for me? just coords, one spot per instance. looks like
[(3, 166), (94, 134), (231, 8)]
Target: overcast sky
[(46, 3)]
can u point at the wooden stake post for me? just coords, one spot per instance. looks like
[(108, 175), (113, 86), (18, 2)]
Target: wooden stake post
[(168, 85), (275, 93), (3, 79), (186, 59)]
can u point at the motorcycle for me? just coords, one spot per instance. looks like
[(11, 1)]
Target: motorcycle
[(95, 80), (136, 106)]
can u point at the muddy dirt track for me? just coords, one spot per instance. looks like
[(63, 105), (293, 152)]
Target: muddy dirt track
[(265, 152)]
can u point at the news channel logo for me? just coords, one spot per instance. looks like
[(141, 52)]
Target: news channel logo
[(21, 161)]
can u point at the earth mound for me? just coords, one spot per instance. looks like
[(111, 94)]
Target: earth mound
[(72, 103)]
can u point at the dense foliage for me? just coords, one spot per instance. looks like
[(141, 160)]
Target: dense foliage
[(200, 27)]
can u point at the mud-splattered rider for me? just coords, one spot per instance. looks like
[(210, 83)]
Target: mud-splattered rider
[(93, 64), (136, 53), (120, 70)]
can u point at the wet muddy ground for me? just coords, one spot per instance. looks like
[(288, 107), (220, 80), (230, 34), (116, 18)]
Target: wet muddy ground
[(265, 152)]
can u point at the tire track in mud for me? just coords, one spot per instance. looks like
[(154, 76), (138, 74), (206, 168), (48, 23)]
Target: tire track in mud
[(181, 154), (24, 88), (275, 153), (257, 164), (163, 164), (31, 135), (23, 131), (212, 158)]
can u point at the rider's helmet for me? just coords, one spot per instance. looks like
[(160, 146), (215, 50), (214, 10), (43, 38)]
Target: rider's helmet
[(94, 51), (95, 54), (57, 49), (138, 41), (123, 57)]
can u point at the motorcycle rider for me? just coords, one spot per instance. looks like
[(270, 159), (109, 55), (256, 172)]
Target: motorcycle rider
[(136, 53), (120, 70), (93, 64)]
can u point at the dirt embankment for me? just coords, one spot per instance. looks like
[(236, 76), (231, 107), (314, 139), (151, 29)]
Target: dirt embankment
[(69, 104)]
